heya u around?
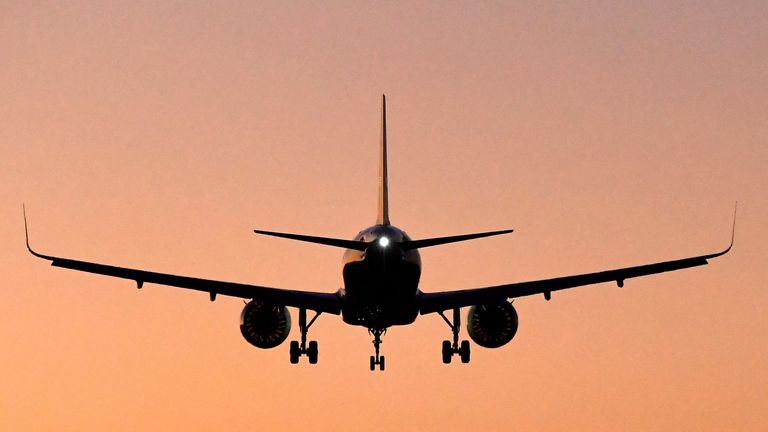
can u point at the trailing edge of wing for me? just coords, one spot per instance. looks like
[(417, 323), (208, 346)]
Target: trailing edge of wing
[(417, 244), (346, 244)]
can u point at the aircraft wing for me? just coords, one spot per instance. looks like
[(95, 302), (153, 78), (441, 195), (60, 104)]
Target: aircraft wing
[(440, 301), (320, 302)]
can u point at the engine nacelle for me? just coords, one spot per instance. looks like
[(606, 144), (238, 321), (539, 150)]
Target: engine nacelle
[(264, 325), (492, 325)]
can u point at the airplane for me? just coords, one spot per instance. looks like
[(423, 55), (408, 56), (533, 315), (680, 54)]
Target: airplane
[(381, 268)]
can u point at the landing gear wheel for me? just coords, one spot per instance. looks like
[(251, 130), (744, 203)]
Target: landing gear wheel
[(295, 352), (379, 362), (464, 351), (312, 352), (447, 352)]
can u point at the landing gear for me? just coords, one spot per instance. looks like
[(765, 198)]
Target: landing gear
[(298, 349), (377, 360), (451, 349)]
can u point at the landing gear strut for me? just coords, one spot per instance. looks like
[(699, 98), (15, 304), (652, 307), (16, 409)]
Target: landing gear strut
[(377, 359), (451, 349), (297, 350)]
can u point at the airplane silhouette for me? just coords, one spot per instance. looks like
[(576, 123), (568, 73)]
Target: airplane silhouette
[(381, 267)]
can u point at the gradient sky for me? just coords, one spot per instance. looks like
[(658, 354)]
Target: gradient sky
[(605, 134)]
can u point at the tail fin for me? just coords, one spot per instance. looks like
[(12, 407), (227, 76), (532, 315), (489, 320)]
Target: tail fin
[(383, 215)]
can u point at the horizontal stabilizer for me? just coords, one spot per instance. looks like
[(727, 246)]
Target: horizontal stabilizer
[(346, 244), (417, 244)]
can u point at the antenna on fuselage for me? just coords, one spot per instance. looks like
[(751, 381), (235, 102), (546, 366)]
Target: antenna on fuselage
[(383, 214)]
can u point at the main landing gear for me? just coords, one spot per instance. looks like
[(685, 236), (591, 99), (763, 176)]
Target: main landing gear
[(297, 350), (377, 359), (451, 349)]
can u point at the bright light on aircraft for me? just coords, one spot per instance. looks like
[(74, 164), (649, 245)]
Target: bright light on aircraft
[(384, 242)]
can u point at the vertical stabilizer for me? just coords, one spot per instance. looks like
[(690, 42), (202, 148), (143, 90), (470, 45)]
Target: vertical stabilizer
[(383, 215)]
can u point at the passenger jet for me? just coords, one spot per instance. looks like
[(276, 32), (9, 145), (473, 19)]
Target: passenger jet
[(381, 267)]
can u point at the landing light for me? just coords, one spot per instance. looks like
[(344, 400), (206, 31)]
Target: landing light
[(383, 242)]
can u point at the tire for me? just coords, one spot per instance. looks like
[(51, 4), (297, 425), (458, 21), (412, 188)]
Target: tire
[(295, 352), (373, 363), (312, 352), (464, 351), (381, 363), (447, 352)]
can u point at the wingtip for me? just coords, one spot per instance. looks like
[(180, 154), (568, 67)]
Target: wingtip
[(26, 230), (26, 235), (733, 235), (733, 228)]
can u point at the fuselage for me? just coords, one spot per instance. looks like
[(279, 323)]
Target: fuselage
[(381, 282)]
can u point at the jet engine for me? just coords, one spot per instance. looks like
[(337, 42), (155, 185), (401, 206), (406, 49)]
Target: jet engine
[(264, 325), (492, 325)]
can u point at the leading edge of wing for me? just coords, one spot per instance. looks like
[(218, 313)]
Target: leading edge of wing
[(320, 302), (440, 301)]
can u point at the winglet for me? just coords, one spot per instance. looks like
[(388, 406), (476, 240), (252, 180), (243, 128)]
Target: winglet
[(26, 233), (383, 214), (26, 236), (733, 229), (733, 236)]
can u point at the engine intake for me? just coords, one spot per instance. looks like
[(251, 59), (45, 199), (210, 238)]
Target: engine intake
[(492, 325), (264, 325)]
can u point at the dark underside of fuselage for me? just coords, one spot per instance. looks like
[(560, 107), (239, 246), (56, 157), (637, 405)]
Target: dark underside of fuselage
[(381, 286)]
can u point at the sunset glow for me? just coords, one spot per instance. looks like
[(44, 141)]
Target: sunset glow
[(159, 135)]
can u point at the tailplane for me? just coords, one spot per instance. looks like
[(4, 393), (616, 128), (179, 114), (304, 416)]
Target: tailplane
[(418, 244), (346, 244)]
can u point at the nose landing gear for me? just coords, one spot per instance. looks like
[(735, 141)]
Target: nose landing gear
[(377, 360)]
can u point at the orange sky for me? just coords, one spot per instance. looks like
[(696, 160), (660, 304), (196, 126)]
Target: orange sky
[(159, 136)]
